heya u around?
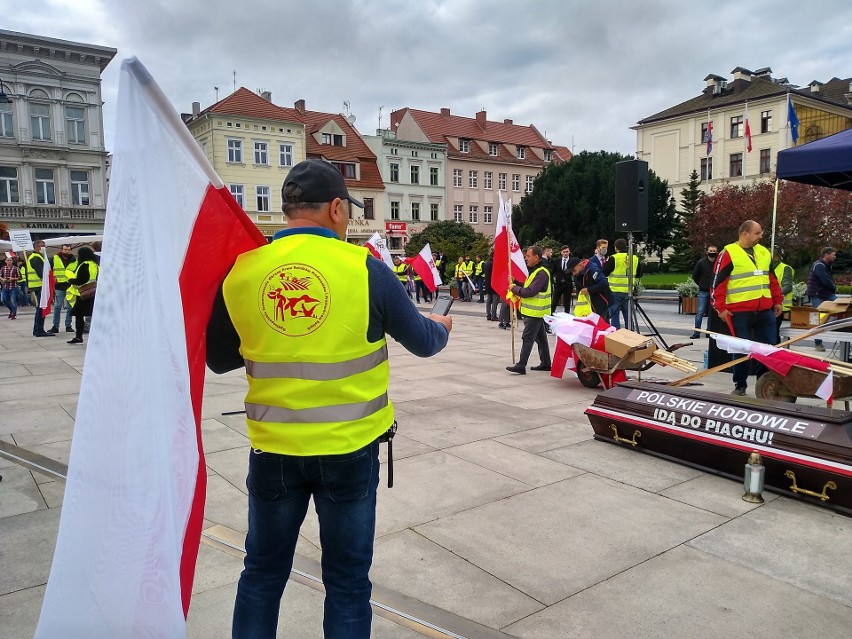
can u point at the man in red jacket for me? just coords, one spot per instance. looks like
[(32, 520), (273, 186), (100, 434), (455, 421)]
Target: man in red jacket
[(746, 294)]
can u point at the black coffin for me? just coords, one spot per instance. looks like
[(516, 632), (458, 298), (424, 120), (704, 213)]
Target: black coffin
[(807, 451)]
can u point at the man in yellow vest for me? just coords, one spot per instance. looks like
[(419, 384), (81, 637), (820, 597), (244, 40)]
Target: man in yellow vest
[(535, 304), (477, 278), (619, 278), (60, 263), (746, 295), (784, 275), (307, 316), (401, 270), (35, 268)]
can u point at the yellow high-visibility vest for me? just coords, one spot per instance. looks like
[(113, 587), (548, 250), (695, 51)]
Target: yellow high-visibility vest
[(583, 306), (316, 385), (33, 277), (750, 279), (539, 304), (618, 282), (787, 304), (73, 293), (59, 270), (479, 266), (401, 272), (467, 268)]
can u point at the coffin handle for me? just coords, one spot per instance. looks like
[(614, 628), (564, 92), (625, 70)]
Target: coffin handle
[(624, 440), (823, 496)]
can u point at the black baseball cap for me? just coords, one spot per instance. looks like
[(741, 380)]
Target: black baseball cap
[(320, 182)]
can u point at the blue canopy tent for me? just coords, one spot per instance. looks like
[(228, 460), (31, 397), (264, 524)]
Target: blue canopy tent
[(825, 162)]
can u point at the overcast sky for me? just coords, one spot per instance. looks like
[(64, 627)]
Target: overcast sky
[(582, 72)]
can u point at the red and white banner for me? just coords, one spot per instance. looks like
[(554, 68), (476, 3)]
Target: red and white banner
[(134, 499), (506, 244), (379, 248), (588, 331), (424, 265), (48, 285)]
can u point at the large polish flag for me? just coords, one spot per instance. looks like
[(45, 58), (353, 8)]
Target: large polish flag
[(379, 248), (134, 499), (424, 265), (48, 285), (505, 244)]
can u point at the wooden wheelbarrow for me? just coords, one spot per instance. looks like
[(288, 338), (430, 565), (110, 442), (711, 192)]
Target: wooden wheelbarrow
[(799, 382), (592, 364)]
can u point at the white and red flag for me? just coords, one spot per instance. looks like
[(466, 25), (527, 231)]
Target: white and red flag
[(780, 360), (506, 244), (134, 499), (379, 248), (424, 265), (747, 130), (48, 285)]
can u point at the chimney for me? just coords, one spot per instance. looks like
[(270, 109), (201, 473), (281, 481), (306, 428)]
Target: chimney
[(445, 112), (266, 95), (300, 106), (480, 119), (196, 108), (507, 121), (815, 86)]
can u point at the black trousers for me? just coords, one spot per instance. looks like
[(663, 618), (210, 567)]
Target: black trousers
[(561, 290), (534, 332)]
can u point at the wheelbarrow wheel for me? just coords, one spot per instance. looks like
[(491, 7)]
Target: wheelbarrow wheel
[(589, 379), (770, 385)]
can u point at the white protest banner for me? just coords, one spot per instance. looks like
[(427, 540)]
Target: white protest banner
[(21, 240)]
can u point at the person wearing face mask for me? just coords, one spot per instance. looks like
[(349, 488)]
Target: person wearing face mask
[(601, 248), (702, 275)]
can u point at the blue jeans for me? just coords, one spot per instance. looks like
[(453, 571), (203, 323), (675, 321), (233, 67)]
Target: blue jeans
[(758, 326), (618, 302), (58, 301), (701, 308), (344, 492), (9, 297), (816, 301)]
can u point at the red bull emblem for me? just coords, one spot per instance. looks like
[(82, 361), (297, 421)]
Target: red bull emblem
[(294, 299)]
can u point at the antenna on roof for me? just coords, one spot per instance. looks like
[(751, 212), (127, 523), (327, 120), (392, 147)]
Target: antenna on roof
[(235, 80), (380, 116), (216, 89)]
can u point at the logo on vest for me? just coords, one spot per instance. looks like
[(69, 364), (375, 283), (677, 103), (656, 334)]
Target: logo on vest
[(294, 299)]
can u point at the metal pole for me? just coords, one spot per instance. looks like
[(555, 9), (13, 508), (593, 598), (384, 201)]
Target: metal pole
[(774, 218), (512, 316), (630, 324)]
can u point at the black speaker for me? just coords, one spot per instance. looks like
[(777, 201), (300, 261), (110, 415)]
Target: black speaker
[(631, 196)]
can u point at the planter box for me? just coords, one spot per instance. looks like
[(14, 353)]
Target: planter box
[(688, 305)]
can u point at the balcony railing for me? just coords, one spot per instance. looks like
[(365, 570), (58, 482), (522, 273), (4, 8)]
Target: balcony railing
[(51, 213)]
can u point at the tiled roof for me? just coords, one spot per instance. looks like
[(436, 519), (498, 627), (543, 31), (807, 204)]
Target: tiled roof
[(741, 91), (250, 105), (438, 127), (562, 154)]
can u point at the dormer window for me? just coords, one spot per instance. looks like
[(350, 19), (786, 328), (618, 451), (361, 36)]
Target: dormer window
[(522, 152), (464, 146), (333, 139), (548, 155), (493, 149)]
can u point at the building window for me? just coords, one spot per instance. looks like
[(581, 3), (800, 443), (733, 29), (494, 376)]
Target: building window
[(415, 211), (285, 154), (45, 186), (458, 213), (394, 151), (522, 152), (235, 151), (548, 155), (493, 149), (487, 214), (737, 127), (706, 169), (464, 146), (736, 165), (764, 161), (765, 121), (433, 211), (369, 210), (326, 138), (486, 179), (530, 180), (473, 179), (9, 185), (704, 129), (80, 188), (414, 154), (501, 181), (238, 191), (415, 174), (261, 156), (262, 198), (457, 177), (40, 120), (433, 176), (516, 182), (6, 129), (394, 172), (474, 214), (346, 168), (75, 125), (394, 210)]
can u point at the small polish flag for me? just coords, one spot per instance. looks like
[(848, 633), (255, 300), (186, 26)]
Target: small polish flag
[(505, 244), (379, 248), (424, 265), (48, 284)]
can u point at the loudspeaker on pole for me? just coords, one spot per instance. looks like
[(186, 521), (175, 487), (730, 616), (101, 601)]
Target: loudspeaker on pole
[(631, 196)]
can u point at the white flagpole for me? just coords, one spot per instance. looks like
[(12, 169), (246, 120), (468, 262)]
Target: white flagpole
[(745, 142), (774, 217)]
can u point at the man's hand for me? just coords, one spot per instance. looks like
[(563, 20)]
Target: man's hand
[(777, 309), (583, 291), (446, 320), (724, 315)]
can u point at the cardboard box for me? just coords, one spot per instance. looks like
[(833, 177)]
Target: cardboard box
[(839, 307), (622, 340), (806, 317)]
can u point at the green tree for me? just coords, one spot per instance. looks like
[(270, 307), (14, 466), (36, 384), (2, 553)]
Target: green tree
[(451, 238), (685, 255), (662, 217)]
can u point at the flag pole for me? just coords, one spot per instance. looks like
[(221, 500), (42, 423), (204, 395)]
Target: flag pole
[(512, 310), (774, 217), (745, 142)]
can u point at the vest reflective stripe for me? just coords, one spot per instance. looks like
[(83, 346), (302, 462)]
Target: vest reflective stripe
[(787, 304), (618, 282), (583, 307), (318, 371), (539, 304), (321, 391), (33, 278), (341, 413), (59, 270), (749, 279)]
